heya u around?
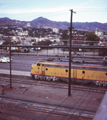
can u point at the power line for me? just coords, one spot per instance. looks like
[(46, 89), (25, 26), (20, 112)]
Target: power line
[(59, 13)]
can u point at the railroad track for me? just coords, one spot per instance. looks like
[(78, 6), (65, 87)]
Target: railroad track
[(9, 107), (26, 80), (29, 110)]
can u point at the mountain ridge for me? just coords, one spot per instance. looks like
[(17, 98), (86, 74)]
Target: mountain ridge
[(44, 22)]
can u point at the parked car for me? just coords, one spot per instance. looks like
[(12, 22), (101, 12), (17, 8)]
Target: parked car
[(23, 50), (5, 59), (36, 48)]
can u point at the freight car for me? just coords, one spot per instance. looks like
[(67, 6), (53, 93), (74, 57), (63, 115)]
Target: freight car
[(55, 71)]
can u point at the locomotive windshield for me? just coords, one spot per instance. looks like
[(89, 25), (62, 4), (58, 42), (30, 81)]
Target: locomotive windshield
[(38, 64)]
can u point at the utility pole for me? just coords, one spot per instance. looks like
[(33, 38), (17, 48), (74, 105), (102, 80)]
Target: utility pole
[(70, 47), (10, 61)]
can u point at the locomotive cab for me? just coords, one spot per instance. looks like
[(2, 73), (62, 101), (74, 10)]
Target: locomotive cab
[(37, 70)]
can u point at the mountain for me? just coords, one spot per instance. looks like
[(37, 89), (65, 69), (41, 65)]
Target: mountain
[(44, 22), (9, 22), (5, 18), (48, 23), (90, 26)]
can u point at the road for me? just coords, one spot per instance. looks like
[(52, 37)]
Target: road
[(20, 63), (23, 62), (45, 93)]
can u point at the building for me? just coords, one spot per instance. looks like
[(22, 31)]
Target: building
[(28, 24), (23, 33), (102, 36), (98, 33), (55, 30), (78, 39)]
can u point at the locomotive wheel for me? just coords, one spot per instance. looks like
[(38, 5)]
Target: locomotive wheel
[(48, 78), (55, 79), (41, 78), (97, 83), (44, 78), (104, 84), (36, 76)]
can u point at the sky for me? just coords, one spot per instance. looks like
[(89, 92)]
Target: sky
[(55, 10)]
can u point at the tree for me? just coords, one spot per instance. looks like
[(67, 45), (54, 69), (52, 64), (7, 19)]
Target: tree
[(91, 38), (64, 37)]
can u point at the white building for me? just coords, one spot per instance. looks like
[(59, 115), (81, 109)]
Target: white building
[(28, 24), (98, 33), (55, 30), (103, 38)]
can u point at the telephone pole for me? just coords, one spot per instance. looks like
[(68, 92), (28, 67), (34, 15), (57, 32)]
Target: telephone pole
[(10, 61), (70, 55)]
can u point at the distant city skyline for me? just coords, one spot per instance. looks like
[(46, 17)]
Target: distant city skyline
[(27, 10)]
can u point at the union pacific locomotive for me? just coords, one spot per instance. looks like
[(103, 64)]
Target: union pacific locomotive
[(55, 71)]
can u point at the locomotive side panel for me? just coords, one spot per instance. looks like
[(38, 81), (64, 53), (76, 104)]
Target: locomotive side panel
[(61, 71), (101, 76), (92, 73), (48, 70), (56, 71)]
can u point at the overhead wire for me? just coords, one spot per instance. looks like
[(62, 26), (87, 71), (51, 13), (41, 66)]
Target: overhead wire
[(82, 101), (87, 104), (90, 100), (82, 95), (45, 14), (62, 102), (78, 101), (92, 86), (62, 12), (55, 108), (67, 98)]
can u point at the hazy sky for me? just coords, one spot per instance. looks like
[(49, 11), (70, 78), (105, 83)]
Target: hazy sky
[(56, 10)]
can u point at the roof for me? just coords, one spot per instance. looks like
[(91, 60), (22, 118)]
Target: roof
[(78, 37), (76, 63)]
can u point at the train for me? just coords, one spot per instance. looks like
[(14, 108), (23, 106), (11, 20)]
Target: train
[(80, 71)]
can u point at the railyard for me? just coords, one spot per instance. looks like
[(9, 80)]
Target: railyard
[(30, 92), (45, 100)]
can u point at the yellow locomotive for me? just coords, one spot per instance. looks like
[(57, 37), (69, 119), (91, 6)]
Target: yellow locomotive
[(55, 71)]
